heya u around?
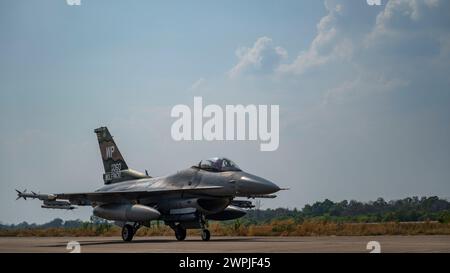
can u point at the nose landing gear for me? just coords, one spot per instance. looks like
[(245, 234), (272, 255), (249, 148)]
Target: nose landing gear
[(206, 235)]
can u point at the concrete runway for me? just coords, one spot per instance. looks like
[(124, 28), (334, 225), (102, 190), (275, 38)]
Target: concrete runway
[(229, 244)]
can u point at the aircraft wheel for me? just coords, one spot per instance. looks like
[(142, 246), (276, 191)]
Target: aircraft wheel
[(127, 233), (206, 235), (180, 233)]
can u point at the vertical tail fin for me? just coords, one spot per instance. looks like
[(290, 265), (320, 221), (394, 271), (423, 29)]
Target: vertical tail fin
[(116, 169), (113, 161)]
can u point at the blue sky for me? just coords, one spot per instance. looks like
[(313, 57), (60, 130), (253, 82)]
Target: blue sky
[(363, 93)]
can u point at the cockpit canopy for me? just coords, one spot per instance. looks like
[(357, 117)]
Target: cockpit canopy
[(218, 164)]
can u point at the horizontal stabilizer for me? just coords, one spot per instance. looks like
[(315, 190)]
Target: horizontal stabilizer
[(34, 195)]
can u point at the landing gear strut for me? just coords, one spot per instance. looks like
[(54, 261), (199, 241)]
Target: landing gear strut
[(206, 235), (128, 231), (180, 232)]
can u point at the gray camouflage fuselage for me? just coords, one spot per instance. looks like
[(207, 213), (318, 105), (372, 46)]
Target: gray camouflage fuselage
[(228, 185)]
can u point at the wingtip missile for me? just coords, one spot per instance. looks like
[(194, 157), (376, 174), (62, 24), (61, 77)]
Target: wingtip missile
[(34, 195)]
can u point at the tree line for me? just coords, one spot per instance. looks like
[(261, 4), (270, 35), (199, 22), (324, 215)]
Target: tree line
[(411, 209)]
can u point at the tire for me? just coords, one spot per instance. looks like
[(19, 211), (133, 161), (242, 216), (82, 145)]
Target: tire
[(180, 233), (206, 235), (127, 233)]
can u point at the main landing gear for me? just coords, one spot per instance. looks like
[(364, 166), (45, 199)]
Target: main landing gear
[(180, 232), (128, 231)]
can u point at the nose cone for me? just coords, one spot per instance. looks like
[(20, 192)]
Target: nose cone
[(249, 184)]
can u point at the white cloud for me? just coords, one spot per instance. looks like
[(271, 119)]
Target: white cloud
[(197, 84), (359, 49), (326, 46), (263, 57), (380, 48), (407, 16)]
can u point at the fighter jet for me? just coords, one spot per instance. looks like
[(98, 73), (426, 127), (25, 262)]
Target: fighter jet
[(184, 200)]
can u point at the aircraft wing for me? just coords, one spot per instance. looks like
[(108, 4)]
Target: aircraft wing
[(87, 198), (117, 196)]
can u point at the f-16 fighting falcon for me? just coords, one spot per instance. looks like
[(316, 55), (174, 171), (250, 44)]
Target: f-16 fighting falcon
[(184, 200)]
